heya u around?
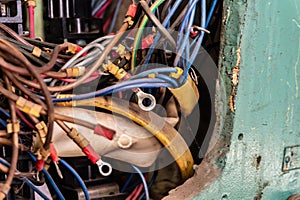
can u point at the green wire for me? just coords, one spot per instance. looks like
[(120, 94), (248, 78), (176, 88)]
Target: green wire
[(138, 36)]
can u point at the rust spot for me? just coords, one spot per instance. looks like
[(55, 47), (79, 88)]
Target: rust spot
[(258, 159), (260, 191)]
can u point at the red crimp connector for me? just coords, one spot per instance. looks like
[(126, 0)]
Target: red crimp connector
[(53, 153), (103, 131), (131, 11), (147, 41), (79, 48), (193, 33), (91, 154), (39, 165)]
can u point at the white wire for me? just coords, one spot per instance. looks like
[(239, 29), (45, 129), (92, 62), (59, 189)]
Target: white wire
[(143, 180)]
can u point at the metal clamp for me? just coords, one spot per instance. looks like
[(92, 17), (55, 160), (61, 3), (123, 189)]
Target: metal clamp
[(143, 96), (100, 163)]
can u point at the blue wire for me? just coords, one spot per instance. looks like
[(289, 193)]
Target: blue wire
[(3, 123), (98, 6), (31, 185), (168, 79), (165, 23), (4, 112), (199, 42), (150, 82), (146, 85), (48, 176), (143, 181), (58, 192), (186, 24), (126, 184), (154, 71), (7, 115), (211, 11), (150, 184), (116, 12), (78, 178)]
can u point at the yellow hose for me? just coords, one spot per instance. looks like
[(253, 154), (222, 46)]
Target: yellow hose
[(166, 134)]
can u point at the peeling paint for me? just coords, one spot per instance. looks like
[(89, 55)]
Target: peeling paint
[(235, 79)]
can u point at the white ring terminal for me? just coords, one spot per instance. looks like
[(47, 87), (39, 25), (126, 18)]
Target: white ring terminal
[(102, 164), (143, 96)]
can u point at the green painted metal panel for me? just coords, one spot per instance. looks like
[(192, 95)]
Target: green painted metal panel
[(261, 49)]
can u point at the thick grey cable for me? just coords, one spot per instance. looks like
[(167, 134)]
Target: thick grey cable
[(157, 23)]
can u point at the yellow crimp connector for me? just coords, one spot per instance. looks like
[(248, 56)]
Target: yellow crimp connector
[(13, 127), (72, 48), (36, 52), (67, 103), (127, 56), (151, 76), (79, 139), (121, 50), (74, 72), (29, 107), (119, 73), (42, 129), (129, 21), (177, 74), (31, 3), (187, 96)]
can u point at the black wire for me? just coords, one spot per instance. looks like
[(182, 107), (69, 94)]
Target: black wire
[(29, 49), (40, 43)]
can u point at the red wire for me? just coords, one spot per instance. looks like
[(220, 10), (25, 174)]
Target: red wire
[(138, 192), (132, 193), (100, 13), (107, 23), (31, 21), (70, 80), (22, 117)]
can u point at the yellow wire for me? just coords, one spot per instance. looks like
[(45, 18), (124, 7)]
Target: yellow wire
[(167, 135)]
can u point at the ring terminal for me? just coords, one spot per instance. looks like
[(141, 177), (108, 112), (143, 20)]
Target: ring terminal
[(100, 163), (145, 96)]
